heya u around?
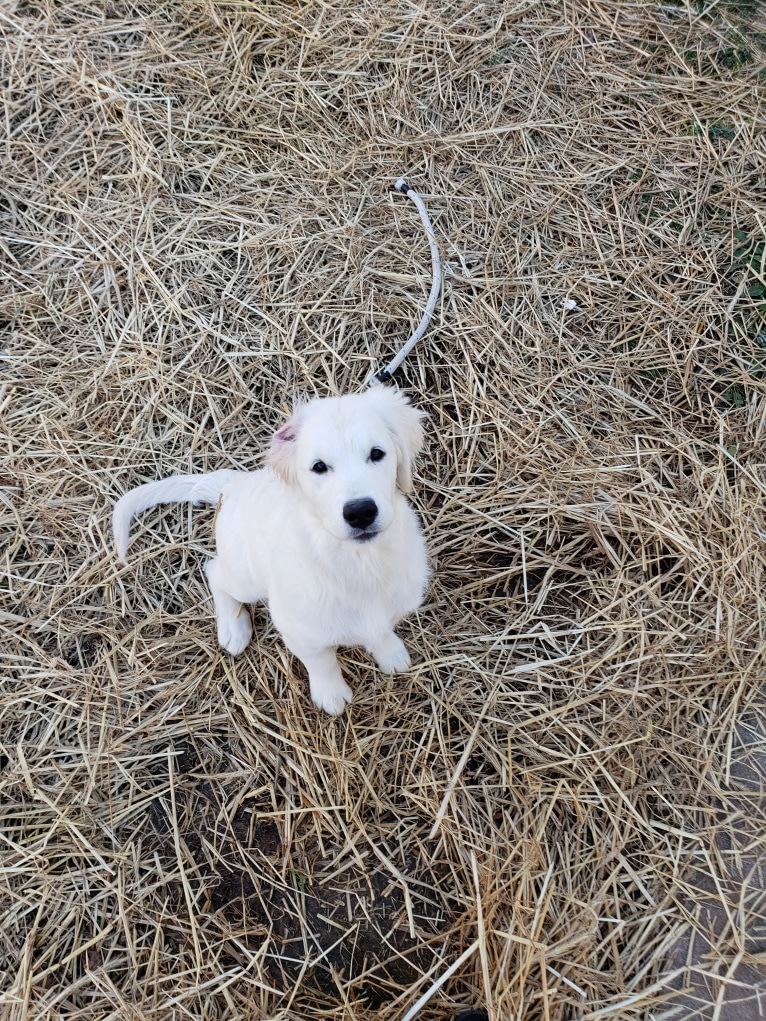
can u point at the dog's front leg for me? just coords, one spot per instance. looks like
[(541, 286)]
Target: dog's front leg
[(390, 654), (328, 689)]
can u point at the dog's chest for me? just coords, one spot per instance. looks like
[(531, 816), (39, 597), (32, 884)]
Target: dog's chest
[(354, 600), (378, 602), (360, 599)]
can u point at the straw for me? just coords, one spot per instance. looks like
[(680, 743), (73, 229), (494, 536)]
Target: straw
[(197, 228)]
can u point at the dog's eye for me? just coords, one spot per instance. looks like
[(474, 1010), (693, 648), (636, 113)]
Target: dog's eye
[(319, 467), (376, 454)]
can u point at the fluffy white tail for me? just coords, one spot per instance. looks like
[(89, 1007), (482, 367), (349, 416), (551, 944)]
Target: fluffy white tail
[(177, 489)]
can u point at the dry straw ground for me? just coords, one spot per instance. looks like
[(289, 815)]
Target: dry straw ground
[(197, 225)]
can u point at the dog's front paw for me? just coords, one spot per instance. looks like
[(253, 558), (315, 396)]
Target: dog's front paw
[(235, 632), (331, 697), (392, 656)]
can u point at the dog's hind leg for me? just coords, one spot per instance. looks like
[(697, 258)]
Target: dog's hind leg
[(235, 628)]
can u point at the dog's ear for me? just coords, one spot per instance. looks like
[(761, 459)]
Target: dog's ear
[(281, 456), (403, 422)]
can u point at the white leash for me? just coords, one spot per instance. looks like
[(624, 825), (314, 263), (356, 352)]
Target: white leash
[(436, 271)]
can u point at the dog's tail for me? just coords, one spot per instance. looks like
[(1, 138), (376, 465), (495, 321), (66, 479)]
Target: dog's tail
[(177, 489)]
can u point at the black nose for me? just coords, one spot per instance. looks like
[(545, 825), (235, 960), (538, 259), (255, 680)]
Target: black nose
[(360, 513)]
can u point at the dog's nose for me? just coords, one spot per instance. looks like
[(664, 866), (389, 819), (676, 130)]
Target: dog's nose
[(360, 513)]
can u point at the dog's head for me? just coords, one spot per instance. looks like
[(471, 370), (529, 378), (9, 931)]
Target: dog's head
[(347, 455)]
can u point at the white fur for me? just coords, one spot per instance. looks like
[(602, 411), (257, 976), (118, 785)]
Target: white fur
[(282, 538)]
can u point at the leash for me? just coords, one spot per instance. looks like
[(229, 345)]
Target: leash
[(436, 272)]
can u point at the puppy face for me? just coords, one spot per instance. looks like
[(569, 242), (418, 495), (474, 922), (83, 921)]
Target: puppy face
[(346, 456)]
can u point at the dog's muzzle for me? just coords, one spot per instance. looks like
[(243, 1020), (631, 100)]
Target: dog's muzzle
[(360, 515)]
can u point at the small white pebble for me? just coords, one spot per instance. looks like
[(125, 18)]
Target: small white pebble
[(569, 304)]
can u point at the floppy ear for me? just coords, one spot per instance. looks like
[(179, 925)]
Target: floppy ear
[(403, 422), (281, 456)]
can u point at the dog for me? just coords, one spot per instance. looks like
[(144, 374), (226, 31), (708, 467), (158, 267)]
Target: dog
[(324, 535)]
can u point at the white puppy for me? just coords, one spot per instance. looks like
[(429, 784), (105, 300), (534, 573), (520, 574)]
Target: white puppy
[(324, 535)]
